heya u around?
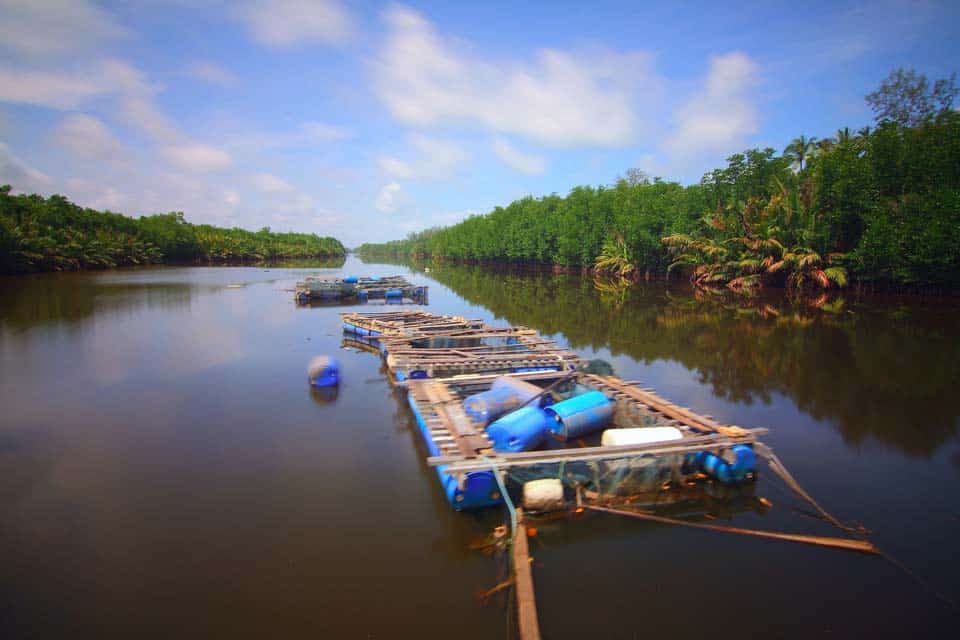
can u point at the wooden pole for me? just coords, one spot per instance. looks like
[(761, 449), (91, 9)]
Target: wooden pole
[(863, 546), (526, 603)]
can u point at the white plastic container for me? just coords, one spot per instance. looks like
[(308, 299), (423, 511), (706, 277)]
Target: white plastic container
[(640, 435), (543, 495)]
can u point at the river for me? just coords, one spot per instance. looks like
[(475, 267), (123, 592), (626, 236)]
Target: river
[(166, 471)]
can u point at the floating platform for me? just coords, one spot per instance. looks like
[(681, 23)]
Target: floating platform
[(394, 289), (465, 460), (405, 323), (443, 360), (419, 345)]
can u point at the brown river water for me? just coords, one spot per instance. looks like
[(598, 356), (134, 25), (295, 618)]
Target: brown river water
[(166, 471)]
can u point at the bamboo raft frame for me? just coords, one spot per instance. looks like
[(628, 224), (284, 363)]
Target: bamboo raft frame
[(409, 323), (404, 338)]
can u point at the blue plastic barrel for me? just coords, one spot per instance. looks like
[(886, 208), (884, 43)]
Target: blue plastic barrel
[(504, 395), (323, 371), (394, 293), (350, 279), (745, 461), (521, 430), (580, 415)]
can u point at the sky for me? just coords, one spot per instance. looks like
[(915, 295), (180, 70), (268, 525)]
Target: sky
[(369, 120)]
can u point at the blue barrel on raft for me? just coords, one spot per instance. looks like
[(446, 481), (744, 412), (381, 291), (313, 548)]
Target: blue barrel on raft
[(520, 430), (323, 371), (475, 490), (504, 395), (580, 415), (744, 463), (351, 279), (394, 293)]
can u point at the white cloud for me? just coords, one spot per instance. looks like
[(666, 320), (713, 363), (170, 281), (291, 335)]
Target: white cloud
[(395, 167), (387, 199), (430, 159), (20, 176), (87, 137), (196, 157), (211, 73), (324, 132), (284, 23), (560, 98), (719, 117), (68, 90), (522, 162), (55, 90), (269, 183), (49, 27), (134, 104)]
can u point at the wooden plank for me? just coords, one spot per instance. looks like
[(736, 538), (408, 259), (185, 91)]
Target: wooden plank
[(657, 403), (863, 546), (523, 576), (709, 442)]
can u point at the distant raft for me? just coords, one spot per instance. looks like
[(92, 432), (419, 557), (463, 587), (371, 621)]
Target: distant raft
[(392, 289), (323, 371)]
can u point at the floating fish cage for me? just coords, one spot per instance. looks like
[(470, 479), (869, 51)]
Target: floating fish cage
[(390, 289), (420, 345), (504, 400), (633, 443), (404, 323)]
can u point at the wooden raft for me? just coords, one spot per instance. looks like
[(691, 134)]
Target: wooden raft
[(408, 323), (450, 428)]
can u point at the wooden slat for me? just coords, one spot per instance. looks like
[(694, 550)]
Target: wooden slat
[(708, 442), (526, 600)]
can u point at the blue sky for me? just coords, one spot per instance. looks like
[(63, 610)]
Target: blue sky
[(368, 120)]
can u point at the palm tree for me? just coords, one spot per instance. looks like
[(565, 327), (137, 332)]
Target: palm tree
[(801, 149), (844, 135), (615, 258), (826, 144)]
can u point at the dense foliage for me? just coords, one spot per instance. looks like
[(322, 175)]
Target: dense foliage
[(881, 204), (45, 234)]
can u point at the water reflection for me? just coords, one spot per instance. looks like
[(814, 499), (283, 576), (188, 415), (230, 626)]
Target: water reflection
[(68, 298), (324, 395), (874, 367)]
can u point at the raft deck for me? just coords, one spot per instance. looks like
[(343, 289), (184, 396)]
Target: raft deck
[(466, 461), (418, 344)]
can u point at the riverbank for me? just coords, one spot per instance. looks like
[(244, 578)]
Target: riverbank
[(54, 234)]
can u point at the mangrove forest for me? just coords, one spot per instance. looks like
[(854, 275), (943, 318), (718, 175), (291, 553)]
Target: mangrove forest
[(880, 204), (54, 234)]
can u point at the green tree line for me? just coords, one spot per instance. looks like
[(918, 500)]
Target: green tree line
[(54, 234), (880, 204)]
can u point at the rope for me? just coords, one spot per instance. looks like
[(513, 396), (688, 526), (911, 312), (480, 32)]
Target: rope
[(506, 499)]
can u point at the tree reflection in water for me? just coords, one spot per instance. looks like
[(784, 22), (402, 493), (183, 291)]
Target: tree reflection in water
[(874, 366)]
